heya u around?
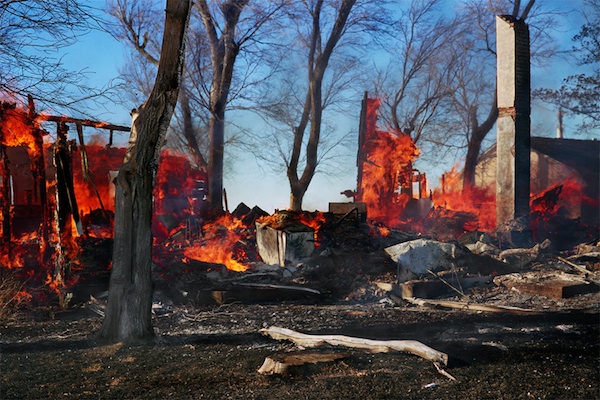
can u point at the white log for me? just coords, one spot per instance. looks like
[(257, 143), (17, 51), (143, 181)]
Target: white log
[(374, 346)]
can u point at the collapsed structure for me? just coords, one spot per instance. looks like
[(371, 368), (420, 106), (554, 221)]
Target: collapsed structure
[(54, 190), (386, 179), (40, 173)]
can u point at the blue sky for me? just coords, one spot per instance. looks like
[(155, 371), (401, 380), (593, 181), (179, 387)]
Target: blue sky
[(101, 56)]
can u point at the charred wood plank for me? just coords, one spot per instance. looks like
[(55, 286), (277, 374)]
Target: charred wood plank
[(281, 363)]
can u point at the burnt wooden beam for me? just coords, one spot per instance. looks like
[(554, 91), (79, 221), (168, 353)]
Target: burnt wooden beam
[(360, 156), (5, 199), (38, 170), (66, 201), (281, 363), (557, 286), (84, 122)]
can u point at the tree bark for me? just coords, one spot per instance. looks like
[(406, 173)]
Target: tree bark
[(224, 51), (128, 313), (318, 60), (478, 134), (189, 133)]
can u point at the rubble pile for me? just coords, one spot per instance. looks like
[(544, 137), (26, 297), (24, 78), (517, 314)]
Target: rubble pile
[(322, 257)]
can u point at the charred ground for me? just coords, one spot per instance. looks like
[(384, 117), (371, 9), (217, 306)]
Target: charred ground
[(204, 349)]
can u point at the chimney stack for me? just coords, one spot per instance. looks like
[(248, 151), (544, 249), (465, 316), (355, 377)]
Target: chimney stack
[(513, 126)]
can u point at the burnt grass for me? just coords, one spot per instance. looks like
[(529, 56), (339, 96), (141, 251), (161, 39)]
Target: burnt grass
[(214, 353)]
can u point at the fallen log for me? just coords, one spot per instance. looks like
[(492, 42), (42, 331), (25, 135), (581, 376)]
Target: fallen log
[(280, 363), (374, 346), (468, 306)]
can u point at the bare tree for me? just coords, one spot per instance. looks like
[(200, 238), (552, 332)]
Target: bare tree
[(419, 76), (320, 49), (227, 33), (578, 95), (224, 49), (138, 24), (32, 34), (223, 34), (128, 313), (476, 68), (316, 30)]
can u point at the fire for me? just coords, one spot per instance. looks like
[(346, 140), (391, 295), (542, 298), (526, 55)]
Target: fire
[(55, 208), (386, 168), (94, 191), (178, 193), (314, 220), (56, 285), (481, 202), (218, 243), (559, 198), (564, 201), (380, 230), (17, 130), (285, 219), (22, 297), (14, 260)]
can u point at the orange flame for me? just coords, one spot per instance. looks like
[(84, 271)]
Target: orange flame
[(380, 230), (22, 297), (97, 188), (218, 243), (17, 130), (286, 219), (480, 202), (386, 159), (54, 284), (314, 220), (562, 195)]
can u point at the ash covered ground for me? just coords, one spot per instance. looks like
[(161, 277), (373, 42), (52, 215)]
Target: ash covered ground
[(209, 346)]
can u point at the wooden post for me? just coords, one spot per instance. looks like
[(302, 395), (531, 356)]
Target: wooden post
[(38, 170), (361, 156), (5, 195)]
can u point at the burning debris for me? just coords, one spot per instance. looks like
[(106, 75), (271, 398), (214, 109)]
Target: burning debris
[(385, 173), (41, 222), (249, 255), (288, 238)]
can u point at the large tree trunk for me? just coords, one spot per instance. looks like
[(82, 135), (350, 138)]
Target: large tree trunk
[(300, 186), (297, 193), (318, 60), (215, 163), (128, 313), (478, 134), (473, 149), (189, 133), (224, 51)]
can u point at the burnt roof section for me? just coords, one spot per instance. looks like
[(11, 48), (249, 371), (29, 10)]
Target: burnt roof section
[(582, 156)]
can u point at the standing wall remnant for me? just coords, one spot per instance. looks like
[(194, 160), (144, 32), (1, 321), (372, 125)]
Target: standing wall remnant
[(513, 126)]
